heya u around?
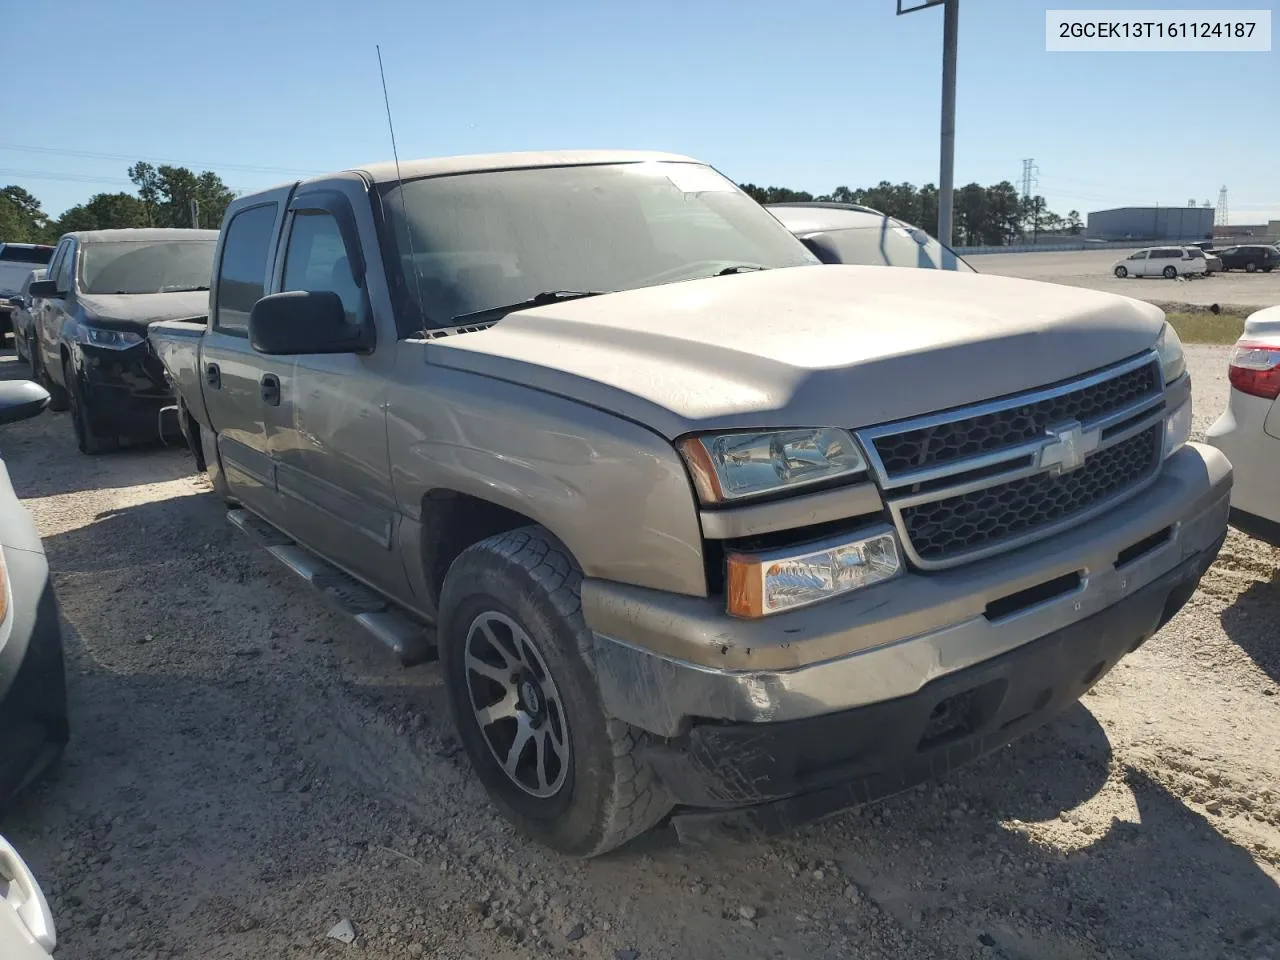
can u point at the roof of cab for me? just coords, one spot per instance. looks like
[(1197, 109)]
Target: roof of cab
[(141, 233), (486, 162)]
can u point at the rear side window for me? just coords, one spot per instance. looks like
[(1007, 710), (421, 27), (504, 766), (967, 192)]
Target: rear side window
[(38, 255), (242, 272)]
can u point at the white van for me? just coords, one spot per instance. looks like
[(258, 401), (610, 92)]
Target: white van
[(1169, 262)]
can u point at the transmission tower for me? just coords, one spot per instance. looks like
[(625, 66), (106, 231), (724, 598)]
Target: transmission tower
[(1030, 178), (1222, 216)]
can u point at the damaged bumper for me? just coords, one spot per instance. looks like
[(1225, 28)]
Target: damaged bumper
[(1018, 638)]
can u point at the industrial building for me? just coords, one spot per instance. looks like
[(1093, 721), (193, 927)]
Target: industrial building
[(1151, 224)]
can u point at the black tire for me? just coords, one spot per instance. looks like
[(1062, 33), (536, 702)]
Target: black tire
[(87, 439), (1170, 272), (608, 794), (1121, 272), (58, 399), (1250, 267)]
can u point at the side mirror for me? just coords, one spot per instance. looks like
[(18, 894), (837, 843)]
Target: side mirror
[(302, 322), (21, 400), (44, 288)]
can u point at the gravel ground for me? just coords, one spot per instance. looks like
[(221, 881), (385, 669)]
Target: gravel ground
[(248, 769), (1093, 269)]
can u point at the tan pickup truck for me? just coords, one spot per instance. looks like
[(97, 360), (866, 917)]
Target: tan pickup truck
[(698, 526)]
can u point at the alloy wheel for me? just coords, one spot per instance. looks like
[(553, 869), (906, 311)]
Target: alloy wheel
[(516, 704)]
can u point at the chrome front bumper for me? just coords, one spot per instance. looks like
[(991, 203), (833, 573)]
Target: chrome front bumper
[(662, 660)]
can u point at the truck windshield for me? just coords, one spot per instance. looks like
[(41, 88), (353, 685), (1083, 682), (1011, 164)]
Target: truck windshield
[(478, 241), (146, 266)]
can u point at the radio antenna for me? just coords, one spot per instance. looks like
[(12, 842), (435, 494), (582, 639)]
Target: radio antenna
[(404, 207)]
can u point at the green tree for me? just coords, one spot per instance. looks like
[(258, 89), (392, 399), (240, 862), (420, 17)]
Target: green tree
[(105, 211), (1074, 224), (167, 193), (21, 218)]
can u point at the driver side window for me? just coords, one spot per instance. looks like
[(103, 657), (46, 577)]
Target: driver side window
[(316, 261), (1140, 255)]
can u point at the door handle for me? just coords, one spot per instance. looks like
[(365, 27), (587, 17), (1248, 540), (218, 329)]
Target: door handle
[(270, 384), (213, 376)]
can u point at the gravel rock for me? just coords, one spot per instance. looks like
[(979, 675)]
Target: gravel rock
[(343, 931)]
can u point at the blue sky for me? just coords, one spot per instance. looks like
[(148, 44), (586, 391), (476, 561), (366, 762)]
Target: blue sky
[(810, 94)]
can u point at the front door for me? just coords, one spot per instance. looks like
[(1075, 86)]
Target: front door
[(233, 372), (333, 471)]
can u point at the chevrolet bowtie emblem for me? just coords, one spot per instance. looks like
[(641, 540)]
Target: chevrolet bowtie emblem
[(1069, 444)]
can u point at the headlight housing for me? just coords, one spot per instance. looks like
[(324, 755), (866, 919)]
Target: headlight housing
[(735, 466), (106, 337), (1177, 428), (760, 584), (1172, 360)]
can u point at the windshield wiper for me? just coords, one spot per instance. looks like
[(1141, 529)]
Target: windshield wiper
[(741, 268), (537, 300)]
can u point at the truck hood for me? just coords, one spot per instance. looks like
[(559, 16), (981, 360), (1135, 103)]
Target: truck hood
[(136, 310), (806, 346)]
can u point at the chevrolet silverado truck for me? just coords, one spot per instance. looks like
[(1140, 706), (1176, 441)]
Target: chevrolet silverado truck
[(698, 526)]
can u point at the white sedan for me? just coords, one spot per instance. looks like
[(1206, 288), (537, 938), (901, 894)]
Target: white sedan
[(1248, 431), (26, 926), (1168, 262)]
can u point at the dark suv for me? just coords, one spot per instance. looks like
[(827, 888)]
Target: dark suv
[(1250, 258)]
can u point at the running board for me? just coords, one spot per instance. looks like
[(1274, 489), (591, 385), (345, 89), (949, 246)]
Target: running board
[(411, 641)]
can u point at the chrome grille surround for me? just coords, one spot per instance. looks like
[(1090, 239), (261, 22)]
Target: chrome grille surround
[(1011, 444)]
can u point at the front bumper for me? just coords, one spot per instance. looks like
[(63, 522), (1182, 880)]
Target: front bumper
[(664, 661), (124, 391), (774, 777), (33, 696)]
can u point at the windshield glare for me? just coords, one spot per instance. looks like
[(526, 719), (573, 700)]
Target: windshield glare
[(485, 240), (145, 266), (892, 245)]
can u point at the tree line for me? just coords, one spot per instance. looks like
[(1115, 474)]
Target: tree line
[(166, 196), (984, 216)]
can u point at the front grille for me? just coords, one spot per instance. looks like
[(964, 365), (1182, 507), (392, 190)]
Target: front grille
[(1014, 425), (951, 527)]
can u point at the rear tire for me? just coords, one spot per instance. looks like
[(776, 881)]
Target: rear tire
[(1250, 267), (1121, 273), (510, 610), (87, 439), (1170, 273)]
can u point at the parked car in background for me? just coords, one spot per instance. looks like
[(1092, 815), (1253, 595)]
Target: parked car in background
[(1207, 263), (26, 923), (1248, 431), (16, 261), (91, 315), (1167, 262), (20, 316), (854, 234), (849, 510), (1250, 258), (33, 699)]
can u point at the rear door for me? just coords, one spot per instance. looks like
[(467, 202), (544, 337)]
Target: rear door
[(232, 371), (54, 310)]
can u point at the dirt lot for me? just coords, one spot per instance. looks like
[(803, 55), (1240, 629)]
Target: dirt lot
[(248, 769), (1092, 268)]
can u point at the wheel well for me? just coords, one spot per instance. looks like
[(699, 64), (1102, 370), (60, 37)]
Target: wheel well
[(453, 521)]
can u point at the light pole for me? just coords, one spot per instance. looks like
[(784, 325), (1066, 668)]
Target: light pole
[(950, 43)]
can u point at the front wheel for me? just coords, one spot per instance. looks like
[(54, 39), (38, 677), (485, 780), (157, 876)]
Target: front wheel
[(515, 653), (1250, 267), (87, 439), (58, 399), (1121, 272), (1170, 272)]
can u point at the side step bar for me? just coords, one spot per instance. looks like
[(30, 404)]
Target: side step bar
[(410, 640)]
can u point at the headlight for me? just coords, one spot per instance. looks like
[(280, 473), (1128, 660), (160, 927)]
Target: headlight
[(1177, 429), (760, 584), (104, 337), (1169, 347), (730, 466)]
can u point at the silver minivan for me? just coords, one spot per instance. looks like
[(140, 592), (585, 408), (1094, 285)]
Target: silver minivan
[(1168, 262)]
